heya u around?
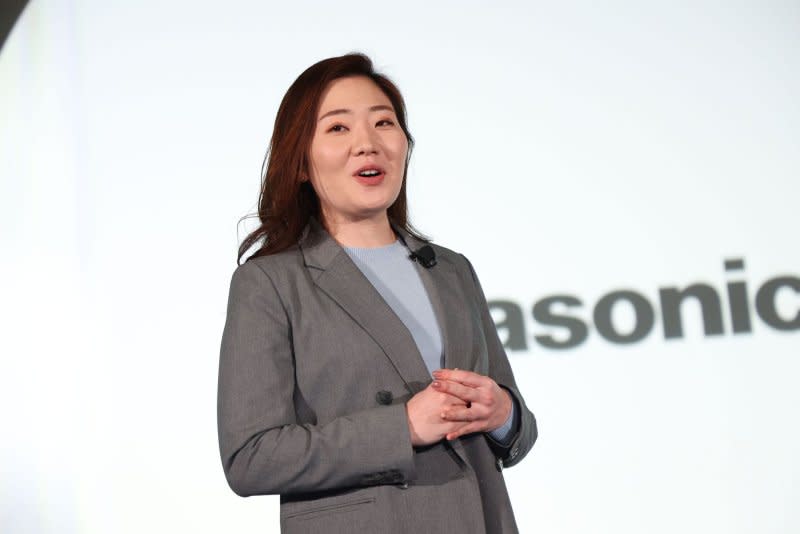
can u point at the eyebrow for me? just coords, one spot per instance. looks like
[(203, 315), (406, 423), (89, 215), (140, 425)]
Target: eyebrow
[(379, 107)]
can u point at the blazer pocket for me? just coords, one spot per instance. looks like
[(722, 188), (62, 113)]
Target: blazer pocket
[(326, 509)]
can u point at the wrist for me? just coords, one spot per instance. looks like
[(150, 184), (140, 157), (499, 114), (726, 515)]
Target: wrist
[(415, 438)]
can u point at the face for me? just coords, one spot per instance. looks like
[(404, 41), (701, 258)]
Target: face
[(358, 152)]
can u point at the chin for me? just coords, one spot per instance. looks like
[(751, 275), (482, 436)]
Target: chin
[(370, 209), (378, 204)]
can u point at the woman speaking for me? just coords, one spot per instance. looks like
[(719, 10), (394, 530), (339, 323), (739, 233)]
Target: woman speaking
[(361, 376)]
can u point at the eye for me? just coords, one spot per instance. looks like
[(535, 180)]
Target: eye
[(385, 122), (337, 128)]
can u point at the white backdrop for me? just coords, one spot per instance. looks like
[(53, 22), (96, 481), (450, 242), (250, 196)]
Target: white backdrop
[(570, 149)]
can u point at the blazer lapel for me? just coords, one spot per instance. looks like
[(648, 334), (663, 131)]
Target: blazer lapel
[(441, 283), (335, 274)]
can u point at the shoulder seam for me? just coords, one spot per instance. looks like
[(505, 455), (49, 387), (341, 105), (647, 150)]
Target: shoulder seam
[(275, 288)]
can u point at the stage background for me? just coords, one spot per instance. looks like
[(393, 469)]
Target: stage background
[(576, 149)]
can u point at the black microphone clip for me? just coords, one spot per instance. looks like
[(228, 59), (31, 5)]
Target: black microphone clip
[(425, 255)]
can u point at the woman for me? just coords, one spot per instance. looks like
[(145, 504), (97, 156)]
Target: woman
[(337, 323)]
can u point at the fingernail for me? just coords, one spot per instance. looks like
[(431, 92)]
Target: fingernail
[(436, 384)]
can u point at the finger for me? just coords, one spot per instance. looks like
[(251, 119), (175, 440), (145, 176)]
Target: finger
[(465, 393), (446, 399), (468, 378), (469, 428), (463, 414)]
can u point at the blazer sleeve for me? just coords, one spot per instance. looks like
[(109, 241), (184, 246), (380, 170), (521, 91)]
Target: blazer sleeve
[(500, 371), (264, 449)]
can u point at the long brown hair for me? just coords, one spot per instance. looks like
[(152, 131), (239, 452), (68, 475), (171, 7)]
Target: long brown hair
[(286, 202)]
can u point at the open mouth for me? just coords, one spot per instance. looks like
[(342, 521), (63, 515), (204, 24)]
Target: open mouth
[(369, 171), (370, 175)]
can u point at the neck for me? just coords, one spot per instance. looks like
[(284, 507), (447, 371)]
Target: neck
[(368, 232)]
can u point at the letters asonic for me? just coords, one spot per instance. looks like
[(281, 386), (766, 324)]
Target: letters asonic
[(561, 312)]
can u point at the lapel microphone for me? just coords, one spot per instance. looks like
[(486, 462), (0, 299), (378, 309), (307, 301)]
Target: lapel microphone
[(425, 255)]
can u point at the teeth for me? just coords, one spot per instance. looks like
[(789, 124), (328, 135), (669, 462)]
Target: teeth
[(369, 173)]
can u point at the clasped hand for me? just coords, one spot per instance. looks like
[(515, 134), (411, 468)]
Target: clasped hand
[(456, 403)]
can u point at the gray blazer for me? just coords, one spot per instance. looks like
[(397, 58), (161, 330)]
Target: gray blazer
[(315, 370)]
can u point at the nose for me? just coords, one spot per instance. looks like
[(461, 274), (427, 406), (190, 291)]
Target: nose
[(365, 142)]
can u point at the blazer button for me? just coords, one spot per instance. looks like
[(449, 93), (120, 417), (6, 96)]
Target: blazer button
[(384, 397)]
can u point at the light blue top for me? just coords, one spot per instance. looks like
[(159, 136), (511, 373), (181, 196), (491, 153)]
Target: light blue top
[(394, 275)]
